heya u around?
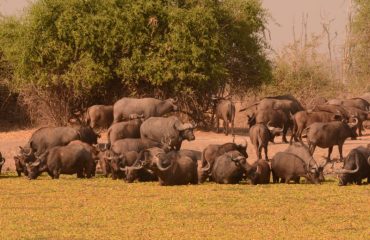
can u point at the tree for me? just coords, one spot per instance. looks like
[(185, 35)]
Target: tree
[(83, 52), (360, 65)]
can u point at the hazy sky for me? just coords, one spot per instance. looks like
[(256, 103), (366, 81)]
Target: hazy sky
[(285, 13)]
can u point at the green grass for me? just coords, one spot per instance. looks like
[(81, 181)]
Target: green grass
[(100, 208)]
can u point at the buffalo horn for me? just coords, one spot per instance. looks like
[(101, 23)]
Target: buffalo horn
[(207, 167), (269, 126), (160, 167), (2, 161), (35, 164), (341, 171), (175, 100), (353, 124), (245, 143)]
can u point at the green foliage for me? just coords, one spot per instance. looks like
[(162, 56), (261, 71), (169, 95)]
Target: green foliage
[(361, 46), (138, 47)]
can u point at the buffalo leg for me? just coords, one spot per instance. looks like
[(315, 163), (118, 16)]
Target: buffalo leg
[(217, 124), (266, 157), (80, 173), (232, 127), (340, 148), (287, 180), (56, 174), (368, 180), (258, 151), (330, 150), (226, 127), (285, 130), (19, 173), (275, 179), (296, 180)]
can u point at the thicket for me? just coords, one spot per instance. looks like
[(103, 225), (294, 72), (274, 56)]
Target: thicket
[(66, 55), (359, 64)]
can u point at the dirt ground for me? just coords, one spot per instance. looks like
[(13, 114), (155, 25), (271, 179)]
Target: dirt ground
[(9, 142)]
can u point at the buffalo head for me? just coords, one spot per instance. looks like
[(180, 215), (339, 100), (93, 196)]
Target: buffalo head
[(353, 127), (186, 130), (172, 103), (115, 162), (274, 132), (251, 120), (35, 168)]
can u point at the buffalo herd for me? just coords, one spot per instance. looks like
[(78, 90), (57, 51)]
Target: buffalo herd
[(143, 144)]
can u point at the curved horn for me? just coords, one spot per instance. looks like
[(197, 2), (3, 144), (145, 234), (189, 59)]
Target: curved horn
[(2, 161), (175, 100), (353, 124), (269, 126), (341, 171), (131, 167), (35, 164), (160, 167), (207, 167)]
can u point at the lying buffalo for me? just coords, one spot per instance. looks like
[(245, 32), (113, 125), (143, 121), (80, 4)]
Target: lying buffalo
[(230, 167), (149, 107), (126, 129), (275, 118), (260, 135), (172, 168), (356, 167), (99, 116), (58, 160), (327, 135), (295, 162), (288, 166), (211, 152), (261, 173), (303, 119), (158, 128), (48, 137), (2, 161), (224, 109)]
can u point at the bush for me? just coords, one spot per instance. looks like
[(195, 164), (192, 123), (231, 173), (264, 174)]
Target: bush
[(91, 52)]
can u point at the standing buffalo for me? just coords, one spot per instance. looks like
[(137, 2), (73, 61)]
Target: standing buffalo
[(149, 107), (353, 102), (70, 159), (327, 135), (360, 115), (225, 110), (303, 119), (230, 167), (127, 129), (2, 161), (356, 167), (211, 152), (99, 116), (339, 110), (275, 118), (158, 128), (172, 168), (133, 144), (287, 104), (260, 135), (48, 137)]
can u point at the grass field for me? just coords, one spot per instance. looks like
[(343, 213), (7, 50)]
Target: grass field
[(100, 208)]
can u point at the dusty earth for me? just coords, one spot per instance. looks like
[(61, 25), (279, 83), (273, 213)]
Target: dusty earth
[(9, 142)]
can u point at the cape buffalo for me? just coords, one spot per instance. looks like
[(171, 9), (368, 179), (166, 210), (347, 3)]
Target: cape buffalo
[(360, 115), (158, 128), (262, 172), (260, 135), (356, 167), (289, 166), (353, 102), (211, 152), (230, 167), (48, 137), (303, 119), (2, 161), (332, 109), (127, 129), (58, 160), (115, 161), (327, 135), (224, 109), (133, 144), (172, 168), (149, 107), (99, 116), (275, 118), (287, 104)]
